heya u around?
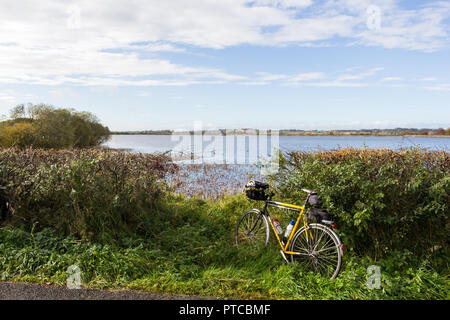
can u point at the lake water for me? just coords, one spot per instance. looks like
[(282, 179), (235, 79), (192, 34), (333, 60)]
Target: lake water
[(248, 149), (162, 143), (208, 180)]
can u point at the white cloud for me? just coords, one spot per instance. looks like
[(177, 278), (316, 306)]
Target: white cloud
[(61, 66), (349, 77), (372, 71), (428, 79), (266, 76), (285, 3), (214, 24), (336, 83), (301, 78), (439, 87), (313, 29), (254, 83), (112, 43), (391, 79), (359, 76), (63, 93), (156, 47), (422, 29), (317, 79)]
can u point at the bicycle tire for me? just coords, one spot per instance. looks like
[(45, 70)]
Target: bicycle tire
[(245, 228), (312, 258)]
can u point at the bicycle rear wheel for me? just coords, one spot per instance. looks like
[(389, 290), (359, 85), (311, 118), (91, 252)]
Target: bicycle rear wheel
[(252, 229), (318, 250)]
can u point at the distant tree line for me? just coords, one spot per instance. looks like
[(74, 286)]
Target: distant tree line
[(43, 126), (299, 132), (442, 132), (150, 132), (370, 132)]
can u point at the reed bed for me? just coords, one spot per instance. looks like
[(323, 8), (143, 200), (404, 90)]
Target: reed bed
[(211, 181)]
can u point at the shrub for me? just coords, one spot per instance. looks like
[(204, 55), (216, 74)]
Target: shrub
[(383, 199), (92, 194), (21, 134)]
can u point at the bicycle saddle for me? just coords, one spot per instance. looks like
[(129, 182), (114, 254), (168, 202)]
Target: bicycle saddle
[(309, 191)]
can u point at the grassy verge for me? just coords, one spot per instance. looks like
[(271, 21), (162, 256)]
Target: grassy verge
[(114, 216), (192, 253)]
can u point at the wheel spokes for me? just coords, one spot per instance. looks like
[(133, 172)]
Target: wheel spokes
[(252, 229), (318, 251)]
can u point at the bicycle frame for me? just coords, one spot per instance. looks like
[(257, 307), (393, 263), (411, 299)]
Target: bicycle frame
[(316, 253), (299, 209)]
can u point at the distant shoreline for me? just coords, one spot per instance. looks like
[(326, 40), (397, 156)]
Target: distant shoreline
[(281, 133)]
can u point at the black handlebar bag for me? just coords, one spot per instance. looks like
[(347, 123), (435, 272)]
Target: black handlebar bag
[(256, 190)]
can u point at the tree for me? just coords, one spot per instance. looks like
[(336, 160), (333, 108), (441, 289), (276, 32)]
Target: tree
[(47, 127), (17, 112), (54, 128), (440, 132), (33, 110), (20, 135)]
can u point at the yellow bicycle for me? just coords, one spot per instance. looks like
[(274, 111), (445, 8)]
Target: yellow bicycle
[(315, 246)]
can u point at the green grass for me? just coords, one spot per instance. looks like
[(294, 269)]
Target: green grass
[(191, 252), (114, 216)]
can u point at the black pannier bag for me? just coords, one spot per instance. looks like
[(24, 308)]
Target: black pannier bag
[(255, 190), (314, 200), (320, 215)]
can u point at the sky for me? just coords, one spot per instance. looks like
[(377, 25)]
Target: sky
[(267, 64)]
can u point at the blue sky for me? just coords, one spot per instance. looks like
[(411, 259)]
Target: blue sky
[(332, 64)]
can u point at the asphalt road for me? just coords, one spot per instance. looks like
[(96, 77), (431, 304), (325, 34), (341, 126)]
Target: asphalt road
[(27, 291)]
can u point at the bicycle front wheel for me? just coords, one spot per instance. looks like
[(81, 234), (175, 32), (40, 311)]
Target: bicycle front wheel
[(317, 249), (252, 229)]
